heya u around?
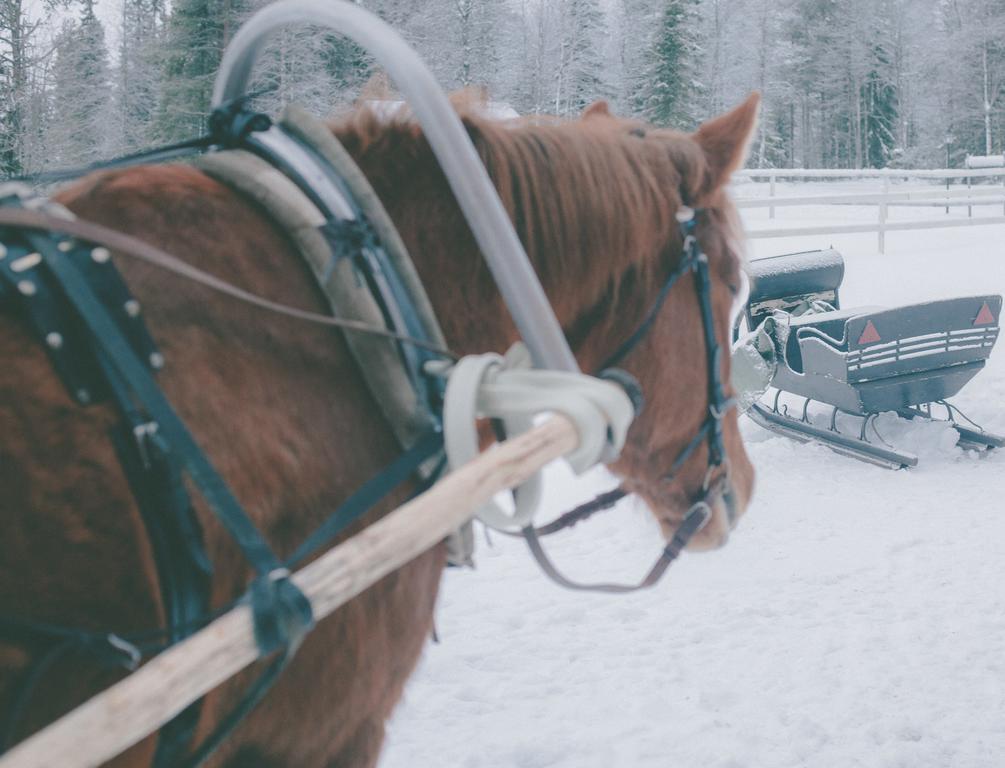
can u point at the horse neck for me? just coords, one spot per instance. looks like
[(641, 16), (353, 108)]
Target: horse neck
[(588, 247)]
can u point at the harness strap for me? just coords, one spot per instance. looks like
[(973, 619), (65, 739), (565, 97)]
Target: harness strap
[(154, 448), (29, 681), (694, 521), (138, 249), (155, 155), (183, 569), (282, 613), (718, 403), (254, 695), (112, 649), (600, 503), (109, 649), (687, 264), (370, 493)]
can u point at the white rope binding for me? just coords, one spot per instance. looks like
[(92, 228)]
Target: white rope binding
[(508, 389)]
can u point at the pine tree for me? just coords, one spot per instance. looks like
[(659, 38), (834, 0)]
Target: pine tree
[(197, 33), (579, 78), (139, 73), (764, 62), (531, 92), (24, 70), (80, 94), (666, 95), (979, 43), (881, 100), (478, 26), (348, 66)]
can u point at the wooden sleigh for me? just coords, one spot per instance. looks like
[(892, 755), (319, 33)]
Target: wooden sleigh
[(868, 360)]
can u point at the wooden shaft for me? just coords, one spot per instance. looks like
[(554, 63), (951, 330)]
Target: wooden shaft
[(137, 706)]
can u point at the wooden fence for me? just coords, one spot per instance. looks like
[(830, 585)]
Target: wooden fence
[(972, 196)]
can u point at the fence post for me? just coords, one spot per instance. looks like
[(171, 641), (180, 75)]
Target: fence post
[(882, 215), (970, 208), (771, 194)]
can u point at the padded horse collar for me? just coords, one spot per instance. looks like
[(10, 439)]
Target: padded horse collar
[(350, 235)]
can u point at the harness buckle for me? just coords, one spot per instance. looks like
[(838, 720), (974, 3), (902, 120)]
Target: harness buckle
[(278, 574), (695, 519), (131, 656), (142, 434), (719, 410), (724, 479), (684, 214)]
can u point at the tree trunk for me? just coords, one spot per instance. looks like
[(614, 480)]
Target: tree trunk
[(762, 85), (987, 98), (857, 96)]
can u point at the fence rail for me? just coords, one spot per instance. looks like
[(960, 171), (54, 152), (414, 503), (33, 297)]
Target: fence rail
[(869, 173), (947, 198)]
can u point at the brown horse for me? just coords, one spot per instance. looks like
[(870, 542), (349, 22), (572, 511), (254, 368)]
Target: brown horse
[(279, 408)]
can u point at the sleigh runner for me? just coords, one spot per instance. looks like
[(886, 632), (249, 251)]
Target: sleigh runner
[(864, 361)]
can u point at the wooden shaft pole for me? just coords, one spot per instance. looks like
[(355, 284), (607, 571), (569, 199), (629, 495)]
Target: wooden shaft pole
[(137, 706)]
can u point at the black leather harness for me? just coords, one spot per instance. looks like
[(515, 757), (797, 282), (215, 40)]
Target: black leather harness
[(79, 307)]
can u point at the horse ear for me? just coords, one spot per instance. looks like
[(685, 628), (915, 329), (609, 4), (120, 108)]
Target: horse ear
[(597, 109), (726, 139)]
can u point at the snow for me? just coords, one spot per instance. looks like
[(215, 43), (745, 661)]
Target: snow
[(856, 617)]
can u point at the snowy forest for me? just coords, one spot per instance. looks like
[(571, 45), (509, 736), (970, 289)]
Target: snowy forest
[(846, 83)]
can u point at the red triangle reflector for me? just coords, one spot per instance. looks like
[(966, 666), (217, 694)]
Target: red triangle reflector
[(984, 317), (870, 335)]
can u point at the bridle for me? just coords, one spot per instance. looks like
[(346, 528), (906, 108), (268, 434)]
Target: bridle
[(717, 484)]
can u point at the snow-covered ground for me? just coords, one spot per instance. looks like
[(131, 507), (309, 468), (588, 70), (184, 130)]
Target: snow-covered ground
[(856, 618)]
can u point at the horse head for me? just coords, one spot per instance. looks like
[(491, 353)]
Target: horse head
[(596, 202)]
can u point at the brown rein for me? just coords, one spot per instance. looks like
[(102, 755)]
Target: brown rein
[(128, 245)]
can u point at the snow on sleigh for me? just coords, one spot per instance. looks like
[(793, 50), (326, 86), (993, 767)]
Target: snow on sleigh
[(861, 361)]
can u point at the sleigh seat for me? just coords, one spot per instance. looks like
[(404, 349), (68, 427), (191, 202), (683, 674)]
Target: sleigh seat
[(869, 359)]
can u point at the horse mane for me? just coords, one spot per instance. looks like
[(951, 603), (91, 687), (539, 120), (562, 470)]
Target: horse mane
[(578, 191)]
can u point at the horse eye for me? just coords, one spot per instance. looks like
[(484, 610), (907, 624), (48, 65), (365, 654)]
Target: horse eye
[(640, 132)]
